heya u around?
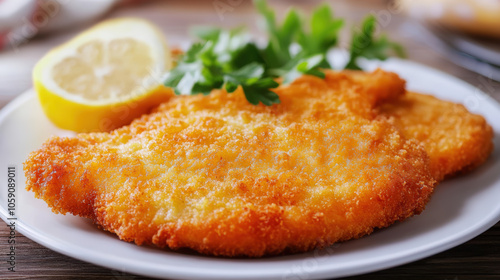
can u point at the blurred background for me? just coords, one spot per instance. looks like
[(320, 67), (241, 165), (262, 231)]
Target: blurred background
[(460, 37)]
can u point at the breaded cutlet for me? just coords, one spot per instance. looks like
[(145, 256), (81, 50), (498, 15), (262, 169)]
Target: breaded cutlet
[(224, 177)]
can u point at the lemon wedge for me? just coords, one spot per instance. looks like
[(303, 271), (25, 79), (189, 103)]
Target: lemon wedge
[(105, 77)]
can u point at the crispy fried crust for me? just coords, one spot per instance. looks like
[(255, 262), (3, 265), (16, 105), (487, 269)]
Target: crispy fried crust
[(223, 177), (454, 139)]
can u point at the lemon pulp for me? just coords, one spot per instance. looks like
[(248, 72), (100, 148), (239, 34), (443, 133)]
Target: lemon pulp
[(105, 77)]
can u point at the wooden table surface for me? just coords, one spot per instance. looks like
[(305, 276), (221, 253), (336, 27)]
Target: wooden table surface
[(477, 259)]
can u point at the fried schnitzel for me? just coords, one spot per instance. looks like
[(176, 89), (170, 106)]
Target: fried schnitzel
[(454, 139), (224, 177)]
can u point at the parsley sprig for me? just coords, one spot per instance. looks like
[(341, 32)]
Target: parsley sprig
[(224, 59), (227, 60)]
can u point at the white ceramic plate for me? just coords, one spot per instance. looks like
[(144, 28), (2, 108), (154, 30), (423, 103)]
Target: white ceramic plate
[(460, 209)]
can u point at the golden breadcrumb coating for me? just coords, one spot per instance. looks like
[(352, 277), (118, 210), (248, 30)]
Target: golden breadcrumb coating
[(224, 177), (454, 139)]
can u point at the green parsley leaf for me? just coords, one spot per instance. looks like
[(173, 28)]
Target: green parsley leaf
[(224, 60), (324, 32), (321, 37), (306, 66), (277, 52), (364, 44)]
